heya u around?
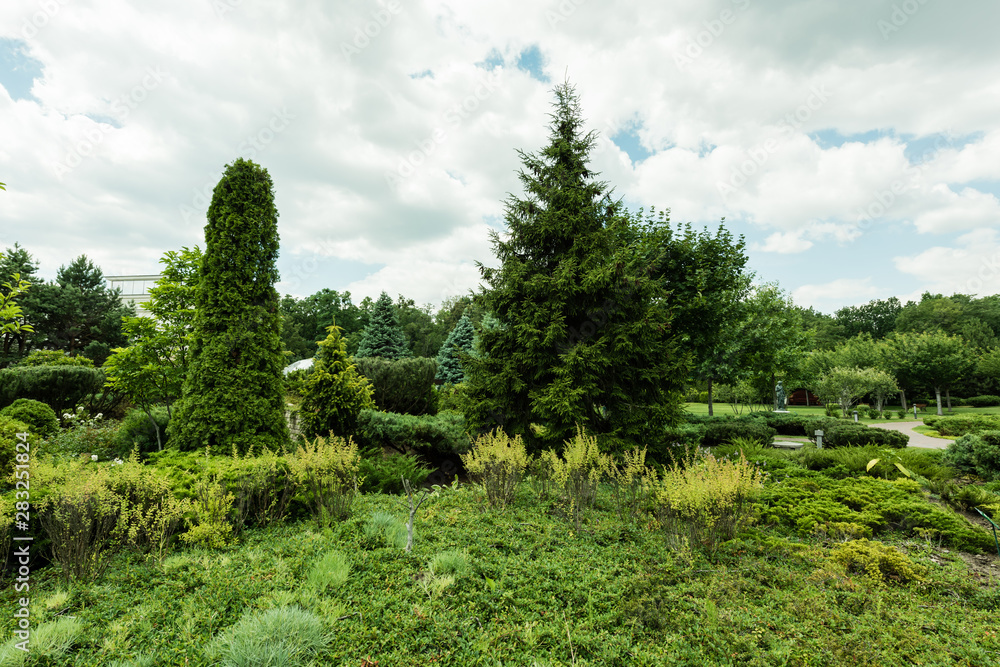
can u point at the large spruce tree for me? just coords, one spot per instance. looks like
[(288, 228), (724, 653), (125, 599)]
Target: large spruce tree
[(584, 324), (383, 337), (233, 391), (335, 392)]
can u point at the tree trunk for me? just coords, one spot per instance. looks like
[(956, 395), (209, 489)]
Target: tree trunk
[(902, 398), (937, 392), (156, 427), (947, 392), (710, 397)]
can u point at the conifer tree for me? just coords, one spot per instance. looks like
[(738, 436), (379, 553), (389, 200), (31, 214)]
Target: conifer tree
[(584, 326), (335, 392), (449, 366), (233, 392), (383, 337)]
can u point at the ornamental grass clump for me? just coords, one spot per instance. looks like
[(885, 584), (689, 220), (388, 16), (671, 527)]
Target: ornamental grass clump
[(330, 571), (498, 463), (708, 500), (278, 637), (327, 469)]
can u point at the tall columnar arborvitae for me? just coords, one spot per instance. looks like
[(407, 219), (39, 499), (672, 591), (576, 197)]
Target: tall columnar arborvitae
[(233, 392), (335, 392), (460, 339), (584, 323), (383, 337)]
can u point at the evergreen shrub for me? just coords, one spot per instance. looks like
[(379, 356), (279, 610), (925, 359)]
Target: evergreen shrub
[(385, 475), (62, 387), (859, 435), (724, 432), (403, 385), (957, 425), (41, 419), (443, 433), (136, 431), (335, 392), (977, 453)]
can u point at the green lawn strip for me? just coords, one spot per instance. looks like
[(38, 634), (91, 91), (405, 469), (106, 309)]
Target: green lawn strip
[(932, 433), (538, 592)]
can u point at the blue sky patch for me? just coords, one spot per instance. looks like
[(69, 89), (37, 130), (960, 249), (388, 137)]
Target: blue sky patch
[(493, 59), (426, 74), (532, 61), (920, 149), (18, 70), (627, 139), (831, 138), (300, 273)]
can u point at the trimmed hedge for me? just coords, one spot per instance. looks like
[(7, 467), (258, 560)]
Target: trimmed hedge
[(39, 416), (986, 401), (62, 387), (859, 435)]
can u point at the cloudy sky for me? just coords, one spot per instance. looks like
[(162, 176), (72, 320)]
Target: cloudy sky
[(854, 144)]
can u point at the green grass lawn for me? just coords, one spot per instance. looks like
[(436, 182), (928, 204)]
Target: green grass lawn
[(536, 593), (817, 411)]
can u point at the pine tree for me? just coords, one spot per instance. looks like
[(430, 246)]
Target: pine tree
[(233, 392), (449, 366), (335, 391), (383, 337), (583, 335)]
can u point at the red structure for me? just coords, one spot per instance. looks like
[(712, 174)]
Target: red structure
[(803, 397)]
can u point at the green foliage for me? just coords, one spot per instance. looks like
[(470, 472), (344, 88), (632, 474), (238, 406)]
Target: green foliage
[(296, 381), (262, 486), (449, 366), (452, 562), (143, 431), (978, 454), (498, 463), (854, 461), (675, 440), (335, 392), (859, 435), (451, 397), (879, 563), (583, 333), (84, 434), (60, 386), (957, 425), (50, 642), (327, 470), (38, 416), (9, 428), (330, 571), (233, 392), (934, 360), (442, 433), (211, 525), (305, 321), (877, 318), (53, 358), (707, 501), (385, 530), (77, 312), (578, 473), (150, 513), (722, 432), (846, 386), (404, 385), (813, 503), (383, 336), (281, 637), (384, 475)]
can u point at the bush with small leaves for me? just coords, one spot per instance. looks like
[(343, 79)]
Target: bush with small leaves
[(985, 401), (39, 416), (579, 472), (498, 463), (327, 471), (879, 563), (385, 475)]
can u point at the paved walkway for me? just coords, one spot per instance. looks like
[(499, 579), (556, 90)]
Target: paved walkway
[(916, 439)]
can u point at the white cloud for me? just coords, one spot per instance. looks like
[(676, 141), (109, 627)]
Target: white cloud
[(970, 267), (827, 297)]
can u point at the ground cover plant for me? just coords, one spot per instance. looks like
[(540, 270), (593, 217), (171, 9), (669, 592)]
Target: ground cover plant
[(822, 564)]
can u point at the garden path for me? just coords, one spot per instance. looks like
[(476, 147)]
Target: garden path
[(916, 439)]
